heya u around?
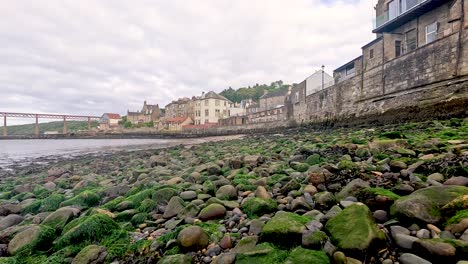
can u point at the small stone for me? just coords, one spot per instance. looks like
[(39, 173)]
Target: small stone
[(339, 258), (457, 180), (310, 189), (464, 236), (434, 228), (405, 241), (212, 211), (398, 230), (438, 177), (188, 195), (381, 216), (447, 235), (192, 238), (261, 192), (226, 242), (408, 258), (423, 234)]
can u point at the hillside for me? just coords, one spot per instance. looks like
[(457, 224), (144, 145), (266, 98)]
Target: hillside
[(254, 92), (28, 129)]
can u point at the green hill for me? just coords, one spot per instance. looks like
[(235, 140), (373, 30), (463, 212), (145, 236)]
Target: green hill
[(254, 92), (28, 129)]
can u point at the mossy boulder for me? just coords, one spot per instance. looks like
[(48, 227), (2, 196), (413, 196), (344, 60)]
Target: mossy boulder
[(285, 229), (226, 192), (86, 228), (264, 253), (175, 206), (84, 199), (302, 255), (425, 204), (91, 254), (354, 230), (162, 196), (299, 166), (176, 259), (212, 211), (30, 239), (352, 189), (259, 206), (314, 159), (52, 202), (61, 217)]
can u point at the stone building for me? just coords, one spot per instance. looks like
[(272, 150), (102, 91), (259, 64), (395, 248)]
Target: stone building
[(109, 120), (148, 113), (420, 45), (273, 99), (211, 107), (183, 107), (176, 123)]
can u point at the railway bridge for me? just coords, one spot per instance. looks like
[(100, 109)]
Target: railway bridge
[(37, 116)]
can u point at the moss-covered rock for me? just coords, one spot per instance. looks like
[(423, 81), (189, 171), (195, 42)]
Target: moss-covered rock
[(31, 239), (285, 229), (259, 206), (84, 199), (354, 229), (162, 196), (52, 202), (192, 238), (352, 189), (176, 259), (226, 192), (86, 228), (302, 255), (212, 211), (61, 217), (264, 253), (425, 204), (91, 254), (299, 166)]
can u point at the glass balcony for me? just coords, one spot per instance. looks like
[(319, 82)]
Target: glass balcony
[(397, 9)]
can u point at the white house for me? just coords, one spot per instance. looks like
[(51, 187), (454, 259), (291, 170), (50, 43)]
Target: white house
[(211, 107)]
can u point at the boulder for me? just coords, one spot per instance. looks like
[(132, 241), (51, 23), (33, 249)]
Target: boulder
[(408, 258), (174, 207), (352, 189), (91, 254), (192, 238), (259, 206), (457, 180), (35, 237), (354, 230), (176, 259), (61, 217), (437, 250), (285, 228), (212, 211), (10, 220), (425, 204), (226, 192), (302, 255)]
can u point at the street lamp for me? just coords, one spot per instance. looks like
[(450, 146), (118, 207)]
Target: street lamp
[(323, 84)]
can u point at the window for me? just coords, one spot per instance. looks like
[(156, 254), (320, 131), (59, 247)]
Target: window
[(207, 112), (206, 121), (216, 102), (217, 111), (350, 69), (393, 9), (397, 48), (411, 40), (206, 102), (371, 53), (296, 97), (431, 32), (224, 112)]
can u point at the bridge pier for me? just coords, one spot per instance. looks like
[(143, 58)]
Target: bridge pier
[(36, 126), (89, 123), (65, 126), (5, 129)]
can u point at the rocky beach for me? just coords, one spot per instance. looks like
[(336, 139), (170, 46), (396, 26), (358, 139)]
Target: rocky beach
[(389, 194)]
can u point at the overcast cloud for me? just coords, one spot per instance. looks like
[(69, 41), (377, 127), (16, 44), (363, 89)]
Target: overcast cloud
[(90, 56)]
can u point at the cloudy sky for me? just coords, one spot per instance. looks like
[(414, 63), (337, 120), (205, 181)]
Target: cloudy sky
[(95, 56)]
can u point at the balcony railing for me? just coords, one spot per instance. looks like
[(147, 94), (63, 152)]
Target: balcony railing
[(396, 9)]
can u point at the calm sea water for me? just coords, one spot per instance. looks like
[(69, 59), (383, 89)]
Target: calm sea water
[(42, 150)]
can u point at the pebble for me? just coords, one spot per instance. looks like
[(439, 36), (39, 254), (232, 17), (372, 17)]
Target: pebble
[(433, 228), (381, 215), (423, 234), (408, 258)]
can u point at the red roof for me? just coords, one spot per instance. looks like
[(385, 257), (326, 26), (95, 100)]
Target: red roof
[(112, 116), (179, 119)]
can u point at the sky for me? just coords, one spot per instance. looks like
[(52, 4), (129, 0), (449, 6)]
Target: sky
[(88, 57)]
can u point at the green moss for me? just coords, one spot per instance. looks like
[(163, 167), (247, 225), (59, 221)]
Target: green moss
[(346, 165), (52, 202), (209, 187), (259, 206), (85, 199), (277, 178), (138, 218), (147, 206), (299, 166), (378, 191), (212, 230), (41, 192), (285, 229), (117, 244), (86, 228), (111, 205), (243, 179), (264, 253), (302, 255), (33, 208), (23, 196), (140, 196), (391, 135), (354, 228), (458, 217)]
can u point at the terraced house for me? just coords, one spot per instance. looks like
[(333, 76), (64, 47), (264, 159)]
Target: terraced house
[(417, 64)]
